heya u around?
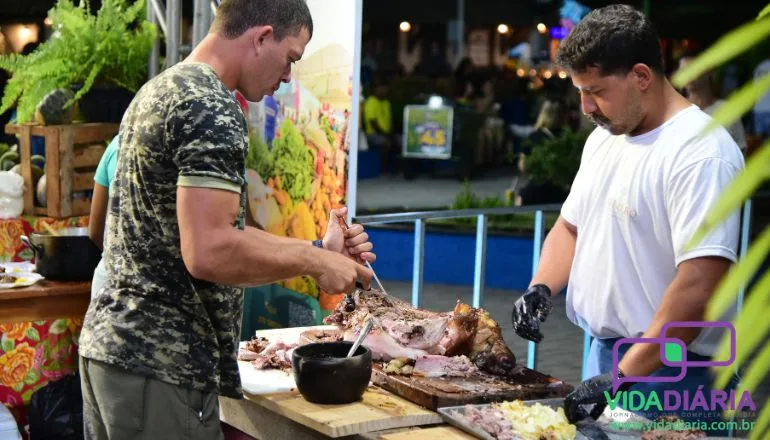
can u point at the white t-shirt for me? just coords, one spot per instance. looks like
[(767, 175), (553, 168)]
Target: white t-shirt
[(636, 201)]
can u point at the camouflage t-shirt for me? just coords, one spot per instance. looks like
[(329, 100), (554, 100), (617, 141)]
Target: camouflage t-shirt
[(184, 128)]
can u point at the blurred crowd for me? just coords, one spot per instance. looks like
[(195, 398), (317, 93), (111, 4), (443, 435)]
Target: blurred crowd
[(521, 109)]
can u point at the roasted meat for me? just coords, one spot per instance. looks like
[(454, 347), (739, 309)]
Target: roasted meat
[(257, 344), (402, 331), (265, 355), (438, 366), (491, 420)]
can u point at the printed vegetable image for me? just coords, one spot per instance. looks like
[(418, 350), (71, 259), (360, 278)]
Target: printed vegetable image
[(295, 184), (293, 161)]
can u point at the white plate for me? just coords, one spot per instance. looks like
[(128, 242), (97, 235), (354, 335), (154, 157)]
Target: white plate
[(24, 266), (272, 381), (24, 272)]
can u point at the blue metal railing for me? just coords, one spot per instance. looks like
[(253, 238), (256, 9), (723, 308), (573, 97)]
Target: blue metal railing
[(482, 216)]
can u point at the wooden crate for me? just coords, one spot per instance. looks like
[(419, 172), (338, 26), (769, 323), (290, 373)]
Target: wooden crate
[(72, 153)]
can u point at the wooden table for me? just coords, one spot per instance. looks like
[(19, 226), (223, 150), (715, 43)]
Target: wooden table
[(45, 300), (379, 415)]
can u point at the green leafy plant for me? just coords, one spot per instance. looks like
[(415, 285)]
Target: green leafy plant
[(111, 47), (556, 160), (752, 326), (467, 199)]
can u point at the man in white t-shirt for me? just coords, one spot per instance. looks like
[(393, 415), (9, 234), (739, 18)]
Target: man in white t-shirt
[(646, 181)]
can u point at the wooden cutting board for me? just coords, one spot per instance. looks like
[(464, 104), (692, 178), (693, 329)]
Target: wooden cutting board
[(437, 433), (376, 411), (438, 392)]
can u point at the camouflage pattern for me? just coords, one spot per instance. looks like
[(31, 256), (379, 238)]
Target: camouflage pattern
[(153, 318)]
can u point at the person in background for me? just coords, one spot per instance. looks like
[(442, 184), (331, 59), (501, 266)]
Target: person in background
[(271, 119), (762, 106), (462, 77), (378, 123), (549, 125), (648, 177), (105, 172), (702, 92)]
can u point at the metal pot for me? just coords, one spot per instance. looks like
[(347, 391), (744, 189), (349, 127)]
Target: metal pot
[(70, 256)]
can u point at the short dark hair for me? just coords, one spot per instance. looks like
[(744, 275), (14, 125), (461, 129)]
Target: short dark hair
[(613, 38), (287, 17)]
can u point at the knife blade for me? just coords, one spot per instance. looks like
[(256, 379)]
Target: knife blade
[(369, 265)]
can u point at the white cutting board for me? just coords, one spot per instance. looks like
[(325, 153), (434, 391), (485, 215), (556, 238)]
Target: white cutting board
[(272, 381)]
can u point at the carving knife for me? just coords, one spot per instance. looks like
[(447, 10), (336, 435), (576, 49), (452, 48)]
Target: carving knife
[(376, 279)]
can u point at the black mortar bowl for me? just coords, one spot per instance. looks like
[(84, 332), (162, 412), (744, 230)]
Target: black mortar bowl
[(324, 375)]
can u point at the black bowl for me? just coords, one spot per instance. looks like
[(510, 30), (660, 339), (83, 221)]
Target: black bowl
[(324, 375)]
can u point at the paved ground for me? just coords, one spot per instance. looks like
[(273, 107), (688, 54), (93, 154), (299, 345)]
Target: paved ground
[(395, 194)]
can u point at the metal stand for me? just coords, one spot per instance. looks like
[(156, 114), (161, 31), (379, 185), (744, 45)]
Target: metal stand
[(168, 19)]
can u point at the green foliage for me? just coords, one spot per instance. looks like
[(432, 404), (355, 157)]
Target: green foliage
[(259, 157), (556, 160), (467, 199), (293, 161), (764, 12), (751, 324), (111, 47)]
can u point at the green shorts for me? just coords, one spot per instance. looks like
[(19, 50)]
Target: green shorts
[(119, 405)]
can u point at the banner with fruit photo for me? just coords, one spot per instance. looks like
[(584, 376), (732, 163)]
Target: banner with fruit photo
[(299, 137)]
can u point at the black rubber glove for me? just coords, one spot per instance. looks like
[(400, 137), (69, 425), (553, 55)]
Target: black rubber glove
[(530, 310), (589, 392)]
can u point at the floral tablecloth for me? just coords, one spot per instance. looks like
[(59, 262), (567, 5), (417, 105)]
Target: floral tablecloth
[(32, 354)]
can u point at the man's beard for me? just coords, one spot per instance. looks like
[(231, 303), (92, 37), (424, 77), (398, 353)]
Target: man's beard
[(599, 120), (603, 122)]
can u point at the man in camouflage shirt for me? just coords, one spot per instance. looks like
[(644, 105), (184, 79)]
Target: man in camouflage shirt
[(159, 342)]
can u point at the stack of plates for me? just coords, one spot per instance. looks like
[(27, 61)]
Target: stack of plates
[(24, 272)]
